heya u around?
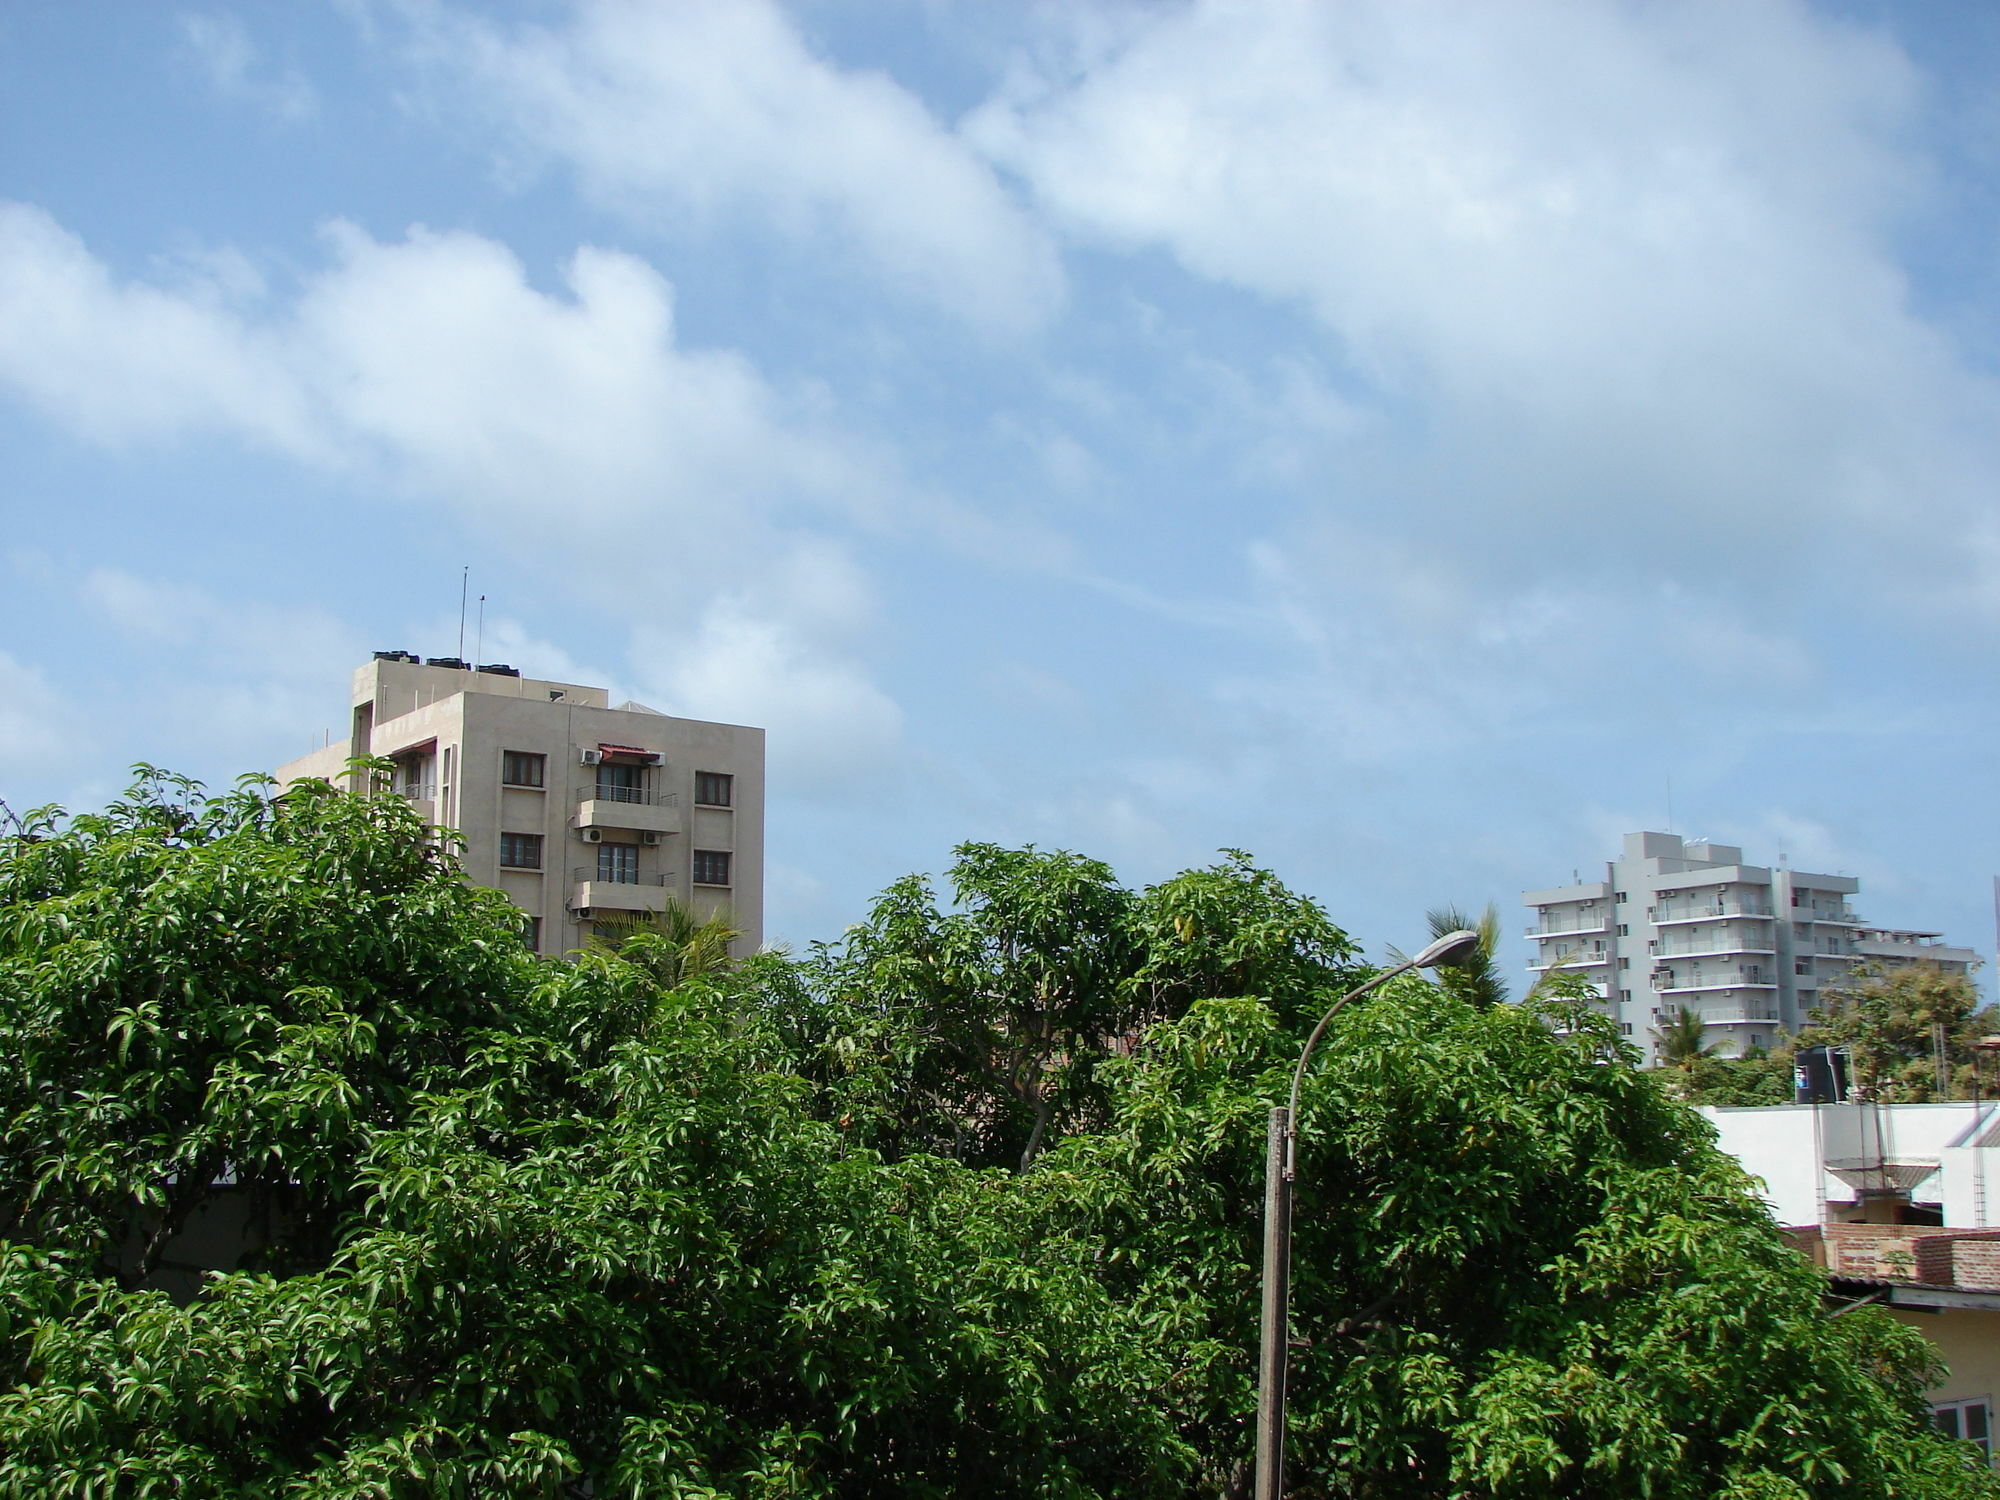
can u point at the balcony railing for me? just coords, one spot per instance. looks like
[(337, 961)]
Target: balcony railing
[(1705, 949), (634, 794), (1750, 976), (1577, 958), (618, 877), (1707, 911), (416, 791), (1565, 926)]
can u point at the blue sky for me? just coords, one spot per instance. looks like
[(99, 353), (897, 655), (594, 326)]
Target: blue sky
[(1411, 441)]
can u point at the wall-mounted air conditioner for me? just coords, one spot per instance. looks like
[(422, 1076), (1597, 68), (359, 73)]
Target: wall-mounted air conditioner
[(591, 835), (649, 836), (591, 757)]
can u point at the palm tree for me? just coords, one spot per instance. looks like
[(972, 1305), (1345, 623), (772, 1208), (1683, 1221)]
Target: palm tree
[(1679, 1042), (670, 944), (1476, 978)]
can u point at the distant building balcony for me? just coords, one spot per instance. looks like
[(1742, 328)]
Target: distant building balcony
[(1666, 915), (624, 807), (1568, 926), (1747, 976), (590, 891), (1706, 949)]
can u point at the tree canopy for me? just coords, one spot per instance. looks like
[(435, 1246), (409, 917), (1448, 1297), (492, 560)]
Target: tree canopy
[(965, 1203), (1893, 1019)]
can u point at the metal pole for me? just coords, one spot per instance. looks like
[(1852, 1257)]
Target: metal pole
[(1274, 1332)]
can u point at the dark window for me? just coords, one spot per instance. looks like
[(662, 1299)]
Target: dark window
[(1619, 897), (521, 851), (621, 781), (1624, 929), (1969, 1421), (712, 788), (531, 933), (519, 768), (618, 863), (711, 867)]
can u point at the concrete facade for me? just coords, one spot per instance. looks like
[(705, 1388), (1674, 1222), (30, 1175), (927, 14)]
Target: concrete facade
[(1675, 924), (1871, 1163), (1897, 1202), (580, 812)]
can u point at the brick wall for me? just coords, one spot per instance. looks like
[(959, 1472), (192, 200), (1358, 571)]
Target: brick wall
[(1968, 1258)]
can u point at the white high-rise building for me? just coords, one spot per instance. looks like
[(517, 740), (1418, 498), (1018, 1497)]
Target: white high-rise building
[(580, 812), (1676, 925)]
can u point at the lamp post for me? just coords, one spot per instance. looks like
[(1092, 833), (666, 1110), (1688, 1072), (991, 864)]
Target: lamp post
[(1280, 1164)]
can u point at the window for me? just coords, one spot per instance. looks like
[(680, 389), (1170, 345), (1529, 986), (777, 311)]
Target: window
[(1619, 898), (519, 768), (621, 781), (711, 867), (618, 863), (1624, 1028), (1624, 963), (1624, 997), (1971, 1421), (520, 851), (531, 933), (712, 788)]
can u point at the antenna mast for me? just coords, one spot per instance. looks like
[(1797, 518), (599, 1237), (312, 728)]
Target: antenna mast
[(464, 577)]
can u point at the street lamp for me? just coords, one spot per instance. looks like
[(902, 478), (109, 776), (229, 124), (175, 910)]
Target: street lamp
[(1280, 1163)]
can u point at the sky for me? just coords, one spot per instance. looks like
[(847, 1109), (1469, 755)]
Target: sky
[(1414, 441)]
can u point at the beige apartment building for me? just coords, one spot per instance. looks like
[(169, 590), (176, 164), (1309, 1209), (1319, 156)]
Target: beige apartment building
[(582, 813)]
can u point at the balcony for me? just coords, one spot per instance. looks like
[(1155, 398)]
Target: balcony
[(1567, 926), (628, 807), (1748, 976), (1746, 1017), (1576, 957), (590, 890), (1706, 950), (1664, 915), (421, 795)]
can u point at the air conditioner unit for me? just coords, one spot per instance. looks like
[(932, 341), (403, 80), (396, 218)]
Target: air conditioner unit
[(649, 836), (591, 757), (591, 835)]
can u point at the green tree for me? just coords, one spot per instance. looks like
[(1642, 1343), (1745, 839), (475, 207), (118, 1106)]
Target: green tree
[(1476, 979), (579, 1229), (1683, 1041), (1892, 1019), (673, 945)]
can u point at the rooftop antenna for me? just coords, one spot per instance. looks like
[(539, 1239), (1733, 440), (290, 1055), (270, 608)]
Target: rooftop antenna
[(464, 577), (479, 649)]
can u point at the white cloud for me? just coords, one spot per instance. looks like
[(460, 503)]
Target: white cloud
[(784, 653), (236, 676), (123, 361), (1632, 268), (720, 114), (37, 724), (221, 47), (435, 362)]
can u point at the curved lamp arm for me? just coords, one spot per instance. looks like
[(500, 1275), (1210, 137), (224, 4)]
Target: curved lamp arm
[(1449, 949)]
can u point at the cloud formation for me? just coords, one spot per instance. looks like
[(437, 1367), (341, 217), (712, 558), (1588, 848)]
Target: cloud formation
[(721, 115), (1632, 268)]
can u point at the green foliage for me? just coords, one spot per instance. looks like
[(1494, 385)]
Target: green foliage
[(1887, 1018), (616, 1228), (1683, 1041), (1475, 979)]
